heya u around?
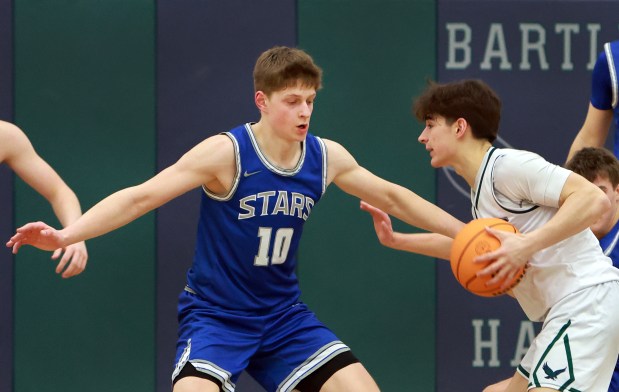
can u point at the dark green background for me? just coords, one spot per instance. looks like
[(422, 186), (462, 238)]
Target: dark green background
[(379, 301), (84, 93)]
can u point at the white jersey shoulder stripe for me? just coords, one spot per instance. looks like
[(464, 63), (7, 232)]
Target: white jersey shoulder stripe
[(613, 72), (323, 147), (237, 176)]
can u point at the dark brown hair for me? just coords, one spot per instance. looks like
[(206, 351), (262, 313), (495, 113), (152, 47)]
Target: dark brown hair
[(593, 162), (470, 99), (281, 67)]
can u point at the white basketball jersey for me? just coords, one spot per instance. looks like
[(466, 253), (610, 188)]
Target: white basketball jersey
[(523, 188)]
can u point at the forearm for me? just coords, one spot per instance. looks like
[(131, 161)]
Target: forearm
[(393, 199), (114, 211), (427, 244), (586, 138), (593, 132), (66, 206), (414, 210)]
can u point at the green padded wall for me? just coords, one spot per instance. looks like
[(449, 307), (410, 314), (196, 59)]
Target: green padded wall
[(84, 93), (376, 56)]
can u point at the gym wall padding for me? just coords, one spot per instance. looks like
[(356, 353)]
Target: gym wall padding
[(85, 95), (6, 201), (379, 301), (206, 52)]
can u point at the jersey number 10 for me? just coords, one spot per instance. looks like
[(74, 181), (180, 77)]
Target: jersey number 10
[(281, 246)]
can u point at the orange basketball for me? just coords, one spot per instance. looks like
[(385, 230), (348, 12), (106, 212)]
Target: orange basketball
[(472, 241)]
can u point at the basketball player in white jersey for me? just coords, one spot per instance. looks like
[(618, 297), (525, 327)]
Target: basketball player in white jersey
[(241, 309), (17, 152), (570, 285), (601, 167)]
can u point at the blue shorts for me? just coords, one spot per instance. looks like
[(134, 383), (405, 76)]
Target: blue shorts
[(278, 350)]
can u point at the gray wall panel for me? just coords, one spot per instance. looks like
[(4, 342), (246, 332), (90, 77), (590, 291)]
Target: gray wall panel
[(206, 51)]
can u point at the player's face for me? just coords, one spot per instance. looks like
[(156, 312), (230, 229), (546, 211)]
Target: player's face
[(290, 110), (606, 222), (438, 139)]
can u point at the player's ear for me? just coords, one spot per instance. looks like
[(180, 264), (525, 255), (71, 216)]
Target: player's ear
[(261, 100), (461, 125)]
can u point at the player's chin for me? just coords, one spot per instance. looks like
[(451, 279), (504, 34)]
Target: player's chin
[(301, 133), (436, 163)]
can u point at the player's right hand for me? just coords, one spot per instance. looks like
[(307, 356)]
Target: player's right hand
[(37, 234)]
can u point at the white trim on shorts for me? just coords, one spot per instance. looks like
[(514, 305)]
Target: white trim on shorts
[(207, 367), (322, 356)]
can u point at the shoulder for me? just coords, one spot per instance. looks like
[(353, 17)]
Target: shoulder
[(12, 140), (10, 132), (210, 159), (215, 146), (337, 153), (512, 157), (339, 160), (520, 168), (334, 147), (513, 165)]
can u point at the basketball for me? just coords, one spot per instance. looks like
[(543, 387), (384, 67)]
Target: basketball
[(472, 241)]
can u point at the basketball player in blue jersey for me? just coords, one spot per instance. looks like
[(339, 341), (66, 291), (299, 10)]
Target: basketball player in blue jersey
[(17, 152), (603, 104), (569, 285), (240, 309)]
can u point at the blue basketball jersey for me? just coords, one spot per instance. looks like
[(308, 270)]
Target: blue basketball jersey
[(605, 86), (609, 244), (246, 248)]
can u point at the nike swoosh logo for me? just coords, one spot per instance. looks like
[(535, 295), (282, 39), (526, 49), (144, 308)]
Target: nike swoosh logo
[(247, 174)]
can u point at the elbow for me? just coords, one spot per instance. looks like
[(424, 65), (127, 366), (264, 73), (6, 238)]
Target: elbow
[(604, 204), (599, 205), (137, 203)]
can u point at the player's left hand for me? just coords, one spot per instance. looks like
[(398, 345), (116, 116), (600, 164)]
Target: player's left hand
[(37, 234), (75, 255), (382, 223), (507, 260)]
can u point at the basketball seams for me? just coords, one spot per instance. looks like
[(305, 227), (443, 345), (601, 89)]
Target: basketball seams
[(490, 290), (475, 231)]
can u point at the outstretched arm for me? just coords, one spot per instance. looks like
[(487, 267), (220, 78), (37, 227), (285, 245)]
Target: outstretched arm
[(17, 152), (427, 244), (394, 199), (594, 131), (210, 163)]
